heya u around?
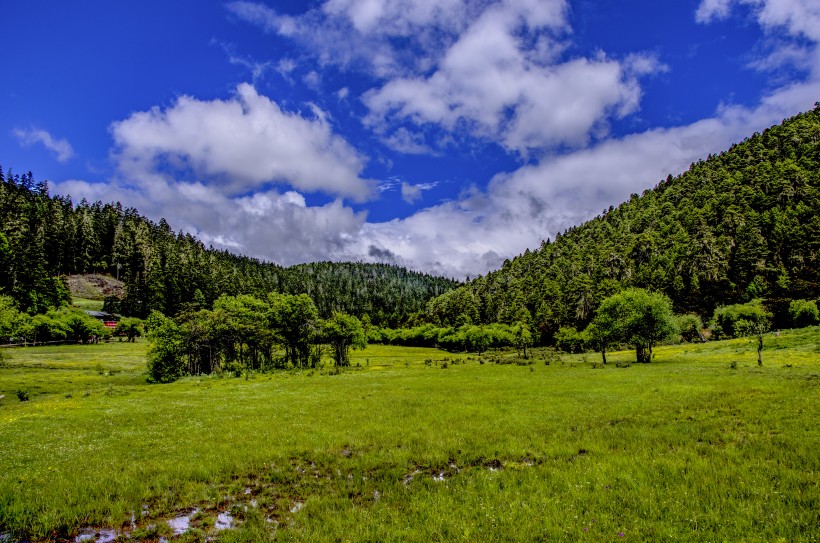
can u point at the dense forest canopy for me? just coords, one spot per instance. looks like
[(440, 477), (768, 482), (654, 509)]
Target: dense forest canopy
[(738, 226), (44, 237)]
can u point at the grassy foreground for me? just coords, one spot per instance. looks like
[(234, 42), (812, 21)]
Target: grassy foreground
[(687, 448)]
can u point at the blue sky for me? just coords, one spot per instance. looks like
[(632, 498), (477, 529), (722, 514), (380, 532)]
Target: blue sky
[(443, 135)]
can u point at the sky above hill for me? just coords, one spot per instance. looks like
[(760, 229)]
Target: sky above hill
[(441, 135)]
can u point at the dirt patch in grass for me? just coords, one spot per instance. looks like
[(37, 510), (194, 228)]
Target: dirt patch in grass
[(95, 287)]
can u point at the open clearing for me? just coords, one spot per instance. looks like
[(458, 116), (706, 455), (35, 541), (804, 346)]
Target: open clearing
[(403, 449)]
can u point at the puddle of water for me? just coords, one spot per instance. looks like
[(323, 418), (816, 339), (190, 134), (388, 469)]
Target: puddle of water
[(181, 524), (102, 536), (439, 477), (223, 521), (106, 536), (86, 535), (297, 507), (409, 477)]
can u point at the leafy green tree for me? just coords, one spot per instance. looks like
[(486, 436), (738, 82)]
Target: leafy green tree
[(11, 319), (601, 336), (569, 340), (739, 320), (523, 337), (804, 313), (80, 327), (43, 328), (343, 332), (638, 317), (476, 339), (690, 327), (165, 355), (130, 327), (294, 318)]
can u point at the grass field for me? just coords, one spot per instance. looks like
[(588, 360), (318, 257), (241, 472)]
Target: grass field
[(90, 305), (700, 445)]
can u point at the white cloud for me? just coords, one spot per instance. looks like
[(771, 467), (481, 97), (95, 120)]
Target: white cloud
[(710, 10), (475, 233), (489, 84), (274, 226), (407, 142), (374, 33), (312, 79), (247, 141), (60, 147), (470, 235), (412, 193), (486, 81), (489, 69), (795, 19)]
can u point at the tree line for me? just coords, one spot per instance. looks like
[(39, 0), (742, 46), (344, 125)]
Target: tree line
[(44, 237), (62, 324), (246, 333)]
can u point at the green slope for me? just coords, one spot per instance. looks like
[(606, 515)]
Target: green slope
[(740, 225)]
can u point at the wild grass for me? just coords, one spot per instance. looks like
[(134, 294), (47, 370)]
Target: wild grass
[(87, 304), (402, 448)]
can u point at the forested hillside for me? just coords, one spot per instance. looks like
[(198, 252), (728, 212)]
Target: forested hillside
[(43, 238), (741, 225)]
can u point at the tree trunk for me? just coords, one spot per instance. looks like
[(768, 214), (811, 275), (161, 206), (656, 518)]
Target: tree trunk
[(643, 355), (603, 353), (760, 349)]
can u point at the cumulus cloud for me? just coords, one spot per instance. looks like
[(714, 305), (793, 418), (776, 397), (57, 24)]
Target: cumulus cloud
[(467, 236), (364, 32), (491, 69), (494, 83), (60, 147), (246, 141)]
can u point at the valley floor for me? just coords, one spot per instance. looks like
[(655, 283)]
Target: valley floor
[(417, 445)]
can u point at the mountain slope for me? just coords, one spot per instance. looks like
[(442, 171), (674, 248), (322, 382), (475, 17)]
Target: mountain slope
[(740, 225), (43, 238)]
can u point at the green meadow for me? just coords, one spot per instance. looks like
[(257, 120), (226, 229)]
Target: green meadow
[(415, 444)]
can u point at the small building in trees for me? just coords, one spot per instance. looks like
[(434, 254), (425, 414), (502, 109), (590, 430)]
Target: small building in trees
[(110, 320)]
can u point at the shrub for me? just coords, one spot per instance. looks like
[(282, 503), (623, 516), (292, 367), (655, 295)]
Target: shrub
[(690, 327), (740, 320), (165, 360), (569, 340), (804, 313)]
